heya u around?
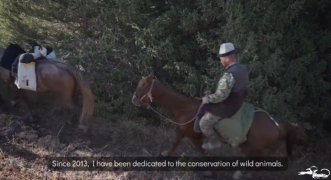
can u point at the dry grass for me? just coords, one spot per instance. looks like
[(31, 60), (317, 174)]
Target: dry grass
[(23, 155)]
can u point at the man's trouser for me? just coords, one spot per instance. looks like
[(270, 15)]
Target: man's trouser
[(207, 123)]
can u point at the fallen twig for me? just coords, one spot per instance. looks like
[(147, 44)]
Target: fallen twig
[(145, 151), (58, 135)]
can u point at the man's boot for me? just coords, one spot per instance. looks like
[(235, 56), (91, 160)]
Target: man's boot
[(212, 144)]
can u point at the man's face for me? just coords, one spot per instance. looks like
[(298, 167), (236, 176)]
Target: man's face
[(223, 61)]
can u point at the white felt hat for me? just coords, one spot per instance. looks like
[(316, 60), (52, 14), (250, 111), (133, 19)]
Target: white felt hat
[(226, 49)]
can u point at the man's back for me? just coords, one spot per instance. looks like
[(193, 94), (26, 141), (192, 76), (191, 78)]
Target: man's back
[(241, 76), (233, 102)]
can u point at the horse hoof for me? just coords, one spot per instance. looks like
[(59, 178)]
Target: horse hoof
[(82, 127), (237, 175), (164, 153), (208, 174)]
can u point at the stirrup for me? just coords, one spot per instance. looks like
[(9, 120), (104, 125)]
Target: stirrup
[(210, 145)]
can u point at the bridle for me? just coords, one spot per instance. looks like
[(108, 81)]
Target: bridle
[(150, 97)]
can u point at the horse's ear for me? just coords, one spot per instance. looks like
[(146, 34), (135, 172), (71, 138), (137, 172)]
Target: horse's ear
[(150, 76)]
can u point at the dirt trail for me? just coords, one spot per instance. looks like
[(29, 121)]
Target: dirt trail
[(23, 155)]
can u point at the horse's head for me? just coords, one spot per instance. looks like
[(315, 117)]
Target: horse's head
[(143, 93)]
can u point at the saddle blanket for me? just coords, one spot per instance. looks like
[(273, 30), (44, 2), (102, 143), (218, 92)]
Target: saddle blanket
[(26, 76), (235, 129)]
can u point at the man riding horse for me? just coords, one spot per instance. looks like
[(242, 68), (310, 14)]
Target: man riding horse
[(226, 97)]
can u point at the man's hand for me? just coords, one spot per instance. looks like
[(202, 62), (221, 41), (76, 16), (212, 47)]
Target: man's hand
[(207, 92), (204, 100)]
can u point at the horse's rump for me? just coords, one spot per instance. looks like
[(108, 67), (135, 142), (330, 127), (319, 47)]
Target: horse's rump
[(25, 69)]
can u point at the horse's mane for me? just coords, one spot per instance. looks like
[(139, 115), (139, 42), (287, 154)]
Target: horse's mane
[(168, 92)]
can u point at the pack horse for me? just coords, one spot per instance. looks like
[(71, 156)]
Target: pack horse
[(38, 72)]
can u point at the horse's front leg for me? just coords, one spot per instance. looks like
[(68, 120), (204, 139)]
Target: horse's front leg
[(198, 144), (179, 137), (3, 105), (250, 151), (33, 114)]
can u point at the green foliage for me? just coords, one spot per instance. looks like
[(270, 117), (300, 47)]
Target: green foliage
[(117, 42)]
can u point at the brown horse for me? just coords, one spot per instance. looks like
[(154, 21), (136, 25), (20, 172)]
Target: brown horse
[(263, 132), (62, 80)]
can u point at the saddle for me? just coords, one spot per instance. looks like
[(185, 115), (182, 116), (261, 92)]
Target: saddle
[(23, 58), (232, 130)]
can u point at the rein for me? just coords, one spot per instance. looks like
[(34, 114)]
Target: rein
[(150, 97)]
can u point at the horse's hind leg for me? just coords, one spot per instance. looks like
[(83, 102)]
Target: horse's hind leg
[(249, 150), (64, 89), (3, 105), (71, 105), (179, 137)]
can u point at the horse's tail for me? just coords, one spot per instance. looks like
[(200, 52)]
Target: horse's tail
[(288, 131), (88, 102)]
